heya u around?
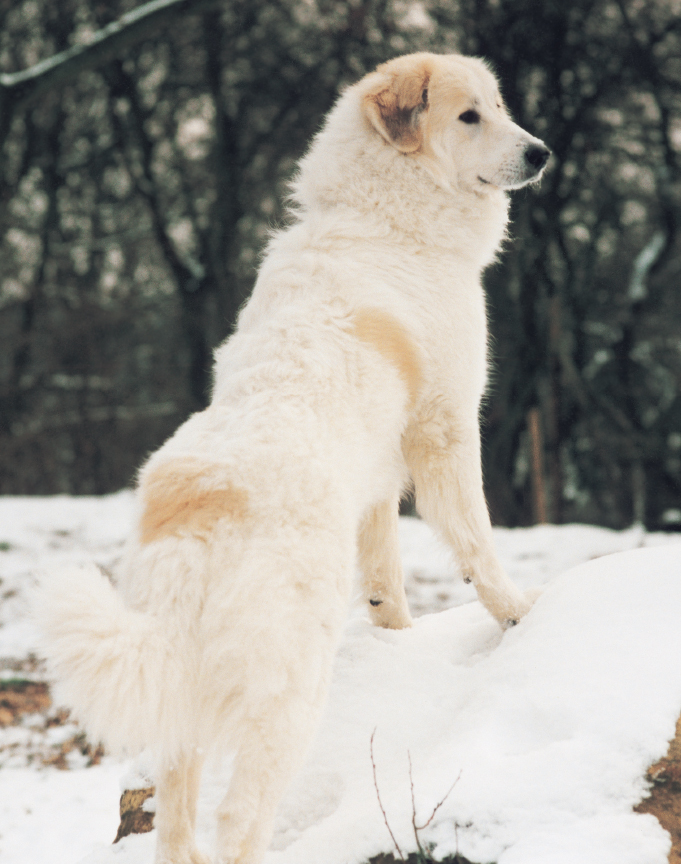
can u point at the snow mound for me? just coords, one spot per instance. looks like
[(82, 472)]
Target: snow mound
[(549, 727)]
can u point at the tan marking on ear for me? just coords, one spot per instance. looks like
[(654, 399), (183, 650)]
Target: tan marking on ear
[(392, 340), (176, 498), (392, 104)]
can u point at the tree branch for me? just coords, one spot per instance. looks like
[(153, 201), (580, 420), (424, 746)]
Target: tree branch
[(378, 795), (19, 88), (123, 85)]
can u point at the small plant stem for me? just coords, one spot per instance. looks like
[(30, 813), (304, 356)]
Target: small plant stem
[(380, 803)]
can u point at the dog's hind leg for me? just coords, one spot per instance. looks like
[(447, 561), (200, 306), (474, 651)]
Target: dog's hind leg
[(381, 566), (176, 796), (284, 692), (271, 752)]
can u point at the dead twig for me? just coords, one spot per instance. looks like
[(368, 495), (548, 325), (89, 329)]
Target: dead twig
[(380, 803), (418, 828), (422, 854)]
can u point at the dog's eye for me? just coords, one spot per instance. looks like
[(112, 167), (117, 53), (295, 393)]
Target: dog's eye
[(469, 117)]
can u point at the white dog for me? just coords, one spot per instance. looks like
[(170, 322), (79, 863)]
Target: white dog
[(357, 368)]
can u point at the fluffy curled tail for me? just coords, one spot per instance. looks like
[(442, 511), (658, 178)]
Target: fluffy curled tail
[(111, 664)]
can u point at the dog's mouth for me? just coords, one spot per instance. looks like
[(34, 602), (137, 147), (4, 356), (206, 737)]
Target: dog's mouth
[(534, 159), (511, 183)]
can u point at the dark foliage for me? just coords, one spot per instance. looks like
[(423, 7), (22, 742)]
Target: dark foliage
[(144, 166)]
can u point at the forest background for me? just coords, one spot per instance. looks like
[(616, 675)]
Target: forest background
[(145, 151)]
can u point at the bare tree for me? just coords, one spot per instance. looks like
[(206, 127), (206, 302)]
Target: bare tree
[(144, 165), (576, 301), (169, 167)]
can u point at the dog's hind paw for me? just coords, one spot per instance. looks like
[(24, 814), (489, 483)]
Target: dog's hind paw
[(181, 856), (391, 615)]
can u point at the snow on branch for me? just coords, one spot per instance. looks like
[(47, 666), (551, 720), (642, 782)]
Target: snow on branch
[(18, 88), (644, 263)]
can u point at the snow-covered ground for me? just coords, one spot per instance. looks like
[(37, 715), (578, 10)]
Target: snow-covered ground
[(548, 727)]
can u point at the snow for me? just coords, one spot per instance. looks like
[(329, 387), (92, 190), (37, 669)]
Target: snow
[(549, 727), (44, 533), (53, 816)]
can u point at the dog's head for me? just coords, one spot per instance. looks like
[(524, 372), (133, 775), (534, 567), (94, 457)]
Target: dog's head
[(447, 109)]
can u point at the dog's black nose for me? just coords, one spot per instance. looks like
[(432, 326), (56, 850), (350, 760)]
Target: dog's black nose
[(537, 156)]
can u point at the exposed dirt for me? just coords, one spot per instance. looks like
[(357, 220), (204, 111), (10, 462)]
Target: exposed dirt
[(389, 858), (19, 697), (134, 818), (32, 731), (665, 796)]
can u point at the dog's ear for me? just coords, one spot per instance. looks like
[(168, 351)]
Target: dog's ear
[(394, 105)]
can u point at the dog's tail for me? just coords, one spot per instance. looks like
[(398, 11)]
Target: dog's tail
[(112, 665)]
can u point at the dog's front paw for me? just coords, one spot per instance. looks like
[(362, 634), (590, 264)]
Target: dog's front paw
[(533, 594), (528, 599)]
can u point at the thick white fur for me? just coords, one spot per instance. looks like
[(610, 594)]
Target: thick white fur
[(357, 367)]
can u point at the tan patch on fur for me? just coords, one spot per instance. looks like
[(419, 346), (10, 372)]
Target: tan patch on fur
[(393, 342), (397, 98), (176, 498)]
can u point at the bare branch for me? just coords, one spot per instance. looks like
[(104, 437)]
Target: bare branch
[(145, 183), (439, 804), (18, 88), (378, 795), (100, 414), (418, 828), (413, 810)]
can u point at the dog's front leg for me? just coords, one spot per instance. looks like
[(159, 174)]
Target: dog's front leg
[(443, 458), (381, 566)]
